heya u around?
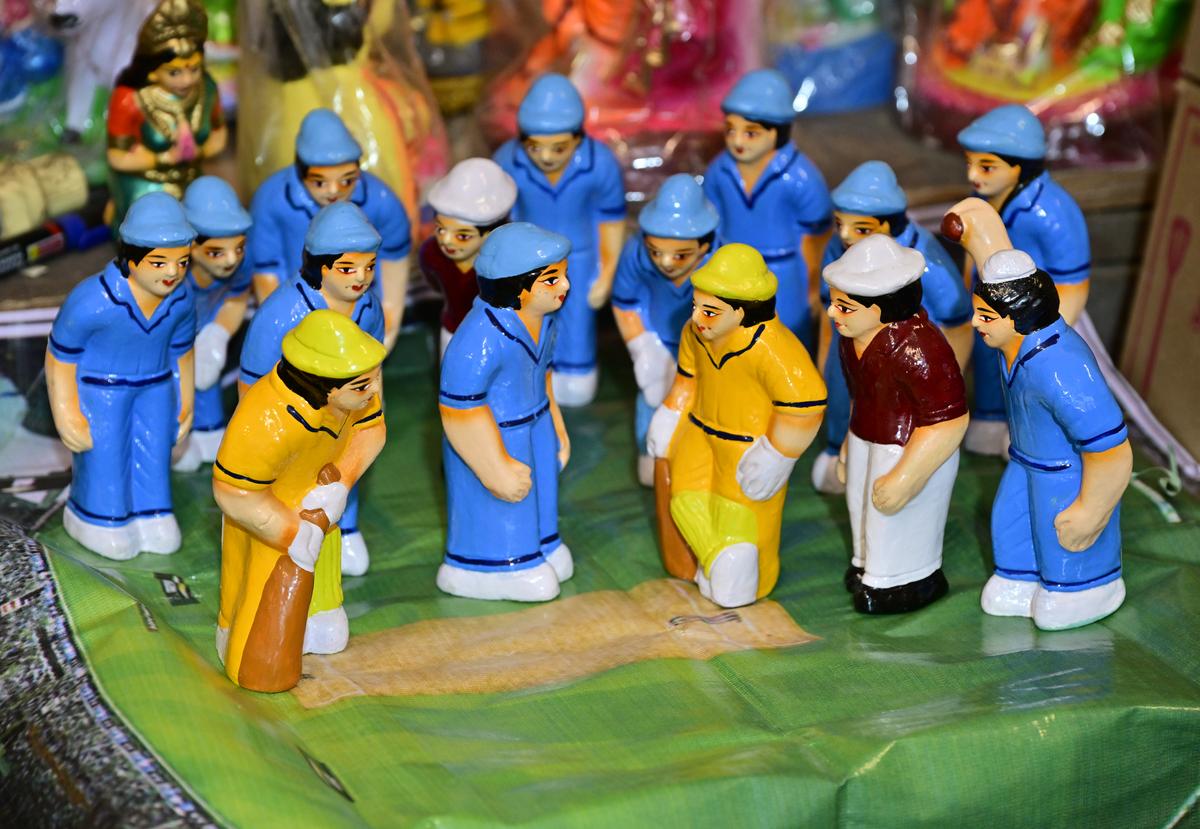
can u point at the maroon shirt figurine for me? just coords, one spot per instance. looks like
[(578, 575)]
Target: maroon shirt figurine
[(458, 287)]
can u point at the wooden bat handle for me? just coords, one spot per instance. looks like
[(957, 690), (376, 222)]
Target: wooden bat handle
[(329, 474), (953, 227)]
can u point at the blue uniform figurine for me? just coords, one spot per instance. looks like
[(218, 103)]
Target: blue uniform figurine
[(505, 440), (327, 171), (115, 403), (570, 184), (220, 289), (1056, 530), (769, 195), (652, 293), (871, 201), (339, 266), (1006, 151)]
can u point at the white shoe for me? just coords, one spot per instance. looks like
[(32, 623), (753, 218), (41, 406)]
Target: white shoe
[(562, 563), (702, 582), (327, 631), (734, 575), (117, 543), (645, 470), (1008, 597), (987, 437), (222, 643), (189, 459), (355, 558), (533, 584), (574, 389), (824, 475), (208, 442), (1058, 610), (159, 534)]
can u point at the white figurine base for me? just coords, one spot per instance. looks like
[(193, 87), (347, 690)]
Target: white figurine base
[(733, 575), (533, 584), (355, 558), (1055, 610), (159, 534), (327, 632), (987, 437), (824, 475), (572, 390), (645, 470), (562, 563), (1008, 597), (117, 543)]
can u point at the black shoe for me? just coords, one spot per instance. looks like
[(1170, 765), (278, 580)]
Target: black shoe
[(903, 598), (853, 578)]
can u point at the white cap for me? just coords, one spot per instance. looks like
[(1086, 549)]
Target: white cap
[(1007, 265), (476, 191), (876, 266)]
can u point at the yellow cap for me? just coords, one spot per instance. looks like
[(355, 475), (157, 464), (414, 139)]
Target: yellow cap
[(736, 271), (329, 344)]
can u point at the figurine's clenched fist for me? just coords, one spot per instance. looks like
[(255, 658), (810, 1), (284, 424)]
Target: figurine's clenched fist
[(306, 546), (653, 367), (331, 498), (511, 483), (662, 428), (1078, 527), (74, 430), (212, 343), (763, 470)]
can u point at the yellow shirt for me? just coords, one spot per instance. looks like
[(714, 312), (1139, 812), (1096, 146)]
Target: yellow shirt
[(762, 369), (275, 439)]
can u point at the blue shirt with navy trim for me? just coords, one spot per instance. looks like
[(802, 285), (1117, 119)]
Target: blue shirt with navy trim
[(209, 300), (101, 329), (640, 286), (1045, 222)]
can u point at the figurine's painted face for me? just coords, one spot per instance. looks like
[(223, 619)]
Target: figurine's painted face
[(674, 258), (458, 240), (997, 331), (356, 394), (990, 175), (549, 292), (854, 227), (180, 76), (713, 317), (350, 276), (331, 184), (747, 141), (851, 319), (551, 152), (219, 258), (161, 270)]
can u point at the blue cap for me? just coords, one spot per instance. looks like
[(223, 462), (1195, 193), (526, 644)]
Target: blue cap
[(339, 228), (871, 189), (679, 211), (517, 248), (156, 220), (552, 105), (763, 95), (1008, 130), (323, 140), (213, 209)]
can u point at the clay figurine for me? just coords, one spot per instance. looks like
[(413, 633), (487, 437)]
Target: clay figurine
[(652, 293), (570, 184), (746, 402), (220, 289), (505, 438), (871, 201), (326, 172), (1056, 520), (1006, 151), (164, 117), (769, 195), (294, 445), (907, 418), (109, 367), (469, 203), (339, 267)]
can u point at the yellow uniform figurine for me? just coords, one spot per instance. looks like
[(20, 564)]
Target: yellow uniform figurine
[(299, 438), (746, 402)]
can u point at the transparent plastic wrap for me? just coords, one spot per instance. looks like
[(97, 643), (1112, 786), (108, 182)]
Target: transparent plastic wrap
[(1098, 73), (356, 58), (652, 74), (838, 54), (31, 82)]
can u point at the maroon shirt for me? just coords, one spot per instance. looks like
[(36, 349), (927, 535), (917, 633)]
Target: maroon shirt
[(906, 378), (458, 289)]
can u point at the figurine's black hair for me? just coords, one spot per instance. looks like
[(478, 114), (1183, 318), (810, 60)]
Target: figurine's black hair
[(1030, 302), (310, 269), (897, 222), (137, 73), (756, 311), (312, 388), (506, 292), (709, 239), (200, 239), (302, 168), (484, 230), (896, 306), (783, 131), (1031, 168), (523, 136), (127, 253)]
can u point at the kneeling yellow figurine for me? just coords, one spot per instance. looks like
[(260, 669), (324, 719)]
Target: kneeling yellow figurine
[(299, 438), (753, 402)]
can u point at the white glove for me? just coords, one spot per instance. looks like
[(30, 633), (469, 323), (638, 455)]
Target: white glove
[(763, 471), (653, 367), (306, 546), (662, 427), (211, 345), (328, 497)]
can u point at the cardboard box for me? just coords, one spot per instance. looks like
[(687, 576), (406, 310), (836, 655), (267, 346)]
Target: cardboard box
[(1191, 47), (1161, 358)]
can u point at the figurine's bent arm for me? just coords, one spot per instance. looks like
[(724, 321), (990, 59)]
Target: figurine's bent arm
[(560, 426), (69, 420), (394, 273), (629, 322), (962, 340), (927, 449), (258, 512), (612, 238), (137, 159), (362, 450), (187, 392), (233, 312), (683, 390), (824, 340), (792, 433), (474, 435), (1072, 299), (1105, 476), (812, 249)]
